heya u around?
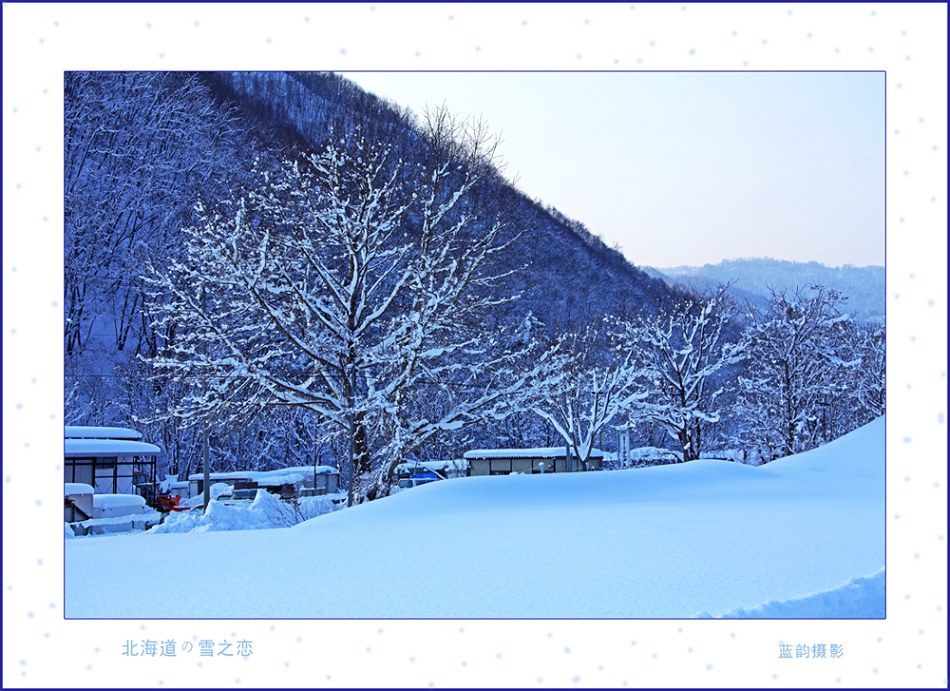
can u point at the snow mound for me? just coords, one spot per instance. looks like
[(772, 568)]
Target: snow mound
[(859, 598), (267, 511), (855, 456)]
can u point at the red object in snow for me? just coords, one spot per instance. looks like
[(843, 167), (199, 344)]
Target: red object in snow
[(166, 503)]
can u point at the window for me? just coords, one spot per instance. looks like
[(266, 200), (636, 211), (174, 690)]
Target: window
[(522, 465), (79, 470)]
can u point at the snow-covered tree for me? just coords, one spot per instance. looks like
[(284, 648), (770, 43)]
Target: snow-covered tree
[(591, 393), (869, 390), (349, 284), (798, 367), (683, 353)]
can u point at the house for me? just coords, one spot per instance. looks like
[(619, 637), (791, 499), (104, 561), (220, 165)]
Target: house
[(111, 460), (287, 482), (553, 459)]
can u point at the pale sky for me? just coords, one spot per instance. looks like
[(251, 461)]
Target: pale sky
[(686, 168)]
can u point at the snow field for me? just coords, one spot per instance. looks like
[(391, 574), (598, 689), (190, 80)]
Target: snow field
[(707, 538)]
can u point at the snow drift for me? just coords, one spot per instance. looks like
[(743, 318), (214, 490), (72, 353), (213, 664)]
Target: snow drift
[(706, 538), (266, 511), (859, 598)]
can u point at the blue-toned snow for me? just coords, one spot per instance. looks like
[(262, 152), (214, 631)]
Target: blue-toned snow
[(799, 537)]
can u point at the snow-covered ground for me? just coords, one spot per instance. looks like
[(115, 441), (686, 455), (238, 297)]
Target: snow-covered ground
[(799, 537)]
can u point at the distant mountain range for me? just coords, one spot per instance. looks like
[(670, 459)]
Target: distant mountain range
[(755, 278)]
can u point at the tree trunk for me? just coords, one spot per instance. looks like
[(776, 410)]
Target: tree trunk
[(361, 444)]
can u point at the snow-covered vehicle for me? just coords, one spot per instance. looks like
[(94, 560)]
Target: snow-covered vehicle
[(416, 477), (409, 482)]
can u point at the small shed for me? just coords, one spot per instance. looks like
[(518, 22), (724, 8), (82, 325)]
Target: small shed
[(317, 480), (78, 502), (552, 459), (287, 482), (111, 460), (238, 479)]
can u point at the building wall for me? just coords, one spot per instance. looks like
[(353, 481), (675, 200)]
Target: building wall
[(488, 466)]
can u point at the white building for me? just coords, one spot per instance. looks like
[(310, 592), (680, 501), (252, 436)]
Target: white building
[(111, 460), (554, 459)]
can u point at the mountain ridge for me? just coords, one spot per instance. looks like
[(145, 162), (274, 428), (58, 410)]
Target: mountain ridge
[(753, 278)]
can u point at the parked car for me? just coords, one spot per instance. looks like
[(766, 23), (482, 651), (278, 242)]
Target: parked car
[(416, 478)]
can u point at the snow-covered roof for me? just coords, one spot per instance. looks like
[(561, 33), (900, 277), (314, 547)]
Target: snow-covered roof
[(231, 475), (542, 452), (77, 488), (308, 470), (267, 478), (109, 447), (115, 501), (102, 433), (275, 479), (432, 465)]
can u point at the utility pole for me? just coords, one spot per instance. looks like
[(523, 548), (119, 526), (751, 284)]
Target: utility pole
[(206, 471), (207, 468), (316, 456), (349, 489)]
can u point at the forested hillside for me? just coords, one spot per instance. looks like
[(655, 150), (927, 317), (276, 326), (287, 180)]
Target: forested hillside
[(307, 273), (143, 148)]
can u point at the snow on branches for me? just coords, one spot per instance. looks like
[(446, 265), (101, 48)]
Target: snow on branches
[(799, 372), (349, 284), (592, 393), (683, 353)]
